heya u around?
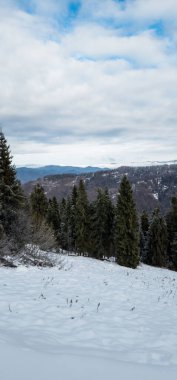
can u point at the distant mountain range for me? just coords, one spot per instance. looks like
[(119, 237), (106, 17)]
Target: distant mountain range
[(25, 174), (153, 186)]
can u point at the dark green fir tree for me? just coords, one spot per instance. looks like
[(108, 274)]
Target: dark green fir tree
[(144, 222), (102, 219), (11, 196), (69, 224), (171, 220), (72, 220), (157, 241), (82, 220), (144, 226), (53, 218), (39, 204), (63, 238), (126, 227), (174, 252)]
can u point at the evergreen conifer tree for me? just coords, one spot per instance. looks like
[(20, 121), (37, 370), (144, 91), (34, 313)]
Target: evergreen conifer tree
[(11, 197), (144, 222), (73, 202), (102, 226), (66, 227), (53, 218), (39, 204), (69, 224), (43, 233), (97, 227), (82, 220), (126, 227), (157, 241), (63, 225), (171, 220), (143, 236), (174, 251)]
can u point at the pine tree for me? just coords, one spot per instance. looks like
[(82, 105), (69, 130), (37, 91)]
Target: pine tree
[(63, 238), (69, 224), (144, 222), (174, 251), (11, 196), (143, 235), (110, 220), (39, 204), (72, 222), (157, 241), (82, 220), (171, 220), (43, 233), (126, 227), (66, 226), (98, 232), (102, 216), (53, 217)]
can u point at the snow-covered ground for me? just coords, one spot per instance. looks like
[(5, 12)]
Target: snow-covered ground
[(89, 320)]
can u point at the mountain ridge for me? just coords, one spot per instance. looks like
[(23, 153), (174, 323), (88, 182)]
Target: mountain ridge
[(153, 186), (26, 174)]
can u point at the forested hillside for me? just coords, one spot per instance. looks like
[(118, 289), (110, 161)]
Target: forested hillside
[(106, 225), (152, 186)]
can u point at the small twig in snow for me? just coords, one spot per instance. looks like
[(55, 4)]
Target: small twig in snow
[(98, 306), (133, 308)]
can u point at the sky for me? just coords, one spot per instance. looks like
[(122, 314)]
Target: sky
[(89, 82)]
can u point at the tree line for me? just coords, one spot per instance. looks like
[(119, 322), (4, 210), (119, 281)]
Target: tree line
[(97, 229)]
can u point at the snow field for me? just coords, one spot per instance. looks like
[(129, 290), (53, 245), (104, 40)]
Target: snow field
[(90, 312)]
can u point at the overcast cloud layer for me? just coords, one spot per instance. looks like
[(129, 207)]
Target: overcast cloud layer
[(89, 82)]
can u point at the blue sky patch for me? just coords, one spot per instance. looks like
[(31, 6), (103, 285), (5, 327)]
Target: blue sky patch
[(27, 6), (158, 26), (74, 8)]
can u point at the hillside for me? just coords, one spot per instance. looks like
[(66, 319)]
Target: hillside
[(153, 186), (25, 174), (79, 320)]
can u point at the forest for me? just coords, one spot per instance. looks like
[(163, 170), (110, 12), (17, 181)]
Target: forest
[(97, 229)]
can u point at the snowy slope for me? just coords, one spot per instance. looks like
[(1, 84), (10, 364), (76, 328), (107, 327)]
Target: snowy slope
[(89, 320)]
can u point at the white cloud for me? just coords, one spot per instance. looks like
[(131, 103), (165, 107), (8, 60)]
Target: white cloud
[(150, 9), (140, 11), (66, 92), (97, 42)]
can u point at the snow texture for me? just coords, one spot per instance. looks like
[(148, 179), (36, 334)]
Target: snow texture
[(88, 320)]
